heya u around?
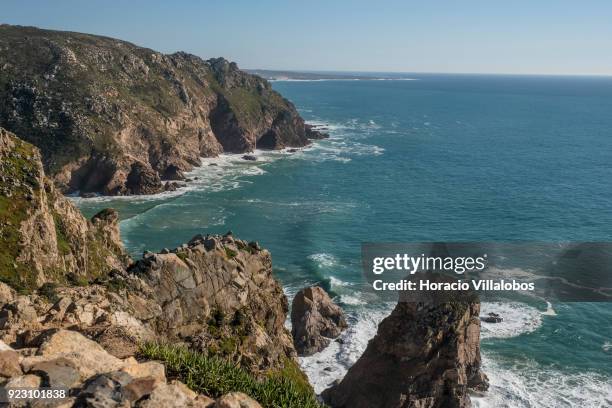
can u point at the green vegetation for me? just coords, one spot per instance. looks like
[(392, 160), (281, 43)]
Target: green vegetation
[(116, 285), (292, 372), (214, 377), (230, 253), (182, 256), (19, 172), (247, 248), (63, 245)]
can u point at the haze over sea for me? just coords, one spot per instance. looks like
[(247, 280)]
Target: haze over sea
[(438, 158)]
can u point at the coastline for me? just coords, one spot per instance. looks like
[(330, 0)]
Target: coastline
[(524, 326)]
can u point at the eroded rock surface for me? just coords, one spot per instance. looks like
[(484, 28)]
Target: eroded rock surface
[(114, 118), (315, 320), (94, 378), (44, 236), (423, 356), (218, 293), (74, 309)]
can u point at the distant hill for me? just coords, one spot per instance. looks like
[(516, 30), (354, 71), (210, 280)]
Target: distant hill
[(114, 118)]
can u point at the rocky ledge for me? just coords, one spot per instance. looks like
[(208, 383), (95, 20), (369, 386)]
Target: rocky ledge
[(92, 377), (64, 278), (113, 118)]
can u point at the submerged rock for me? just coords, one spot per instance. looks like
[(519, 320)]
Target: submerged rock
[(492, 318), (315, 320), (249, 157)]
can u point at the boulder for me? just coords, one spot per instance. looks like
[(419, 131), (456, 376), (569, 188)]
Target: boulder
[(87, 355), (148, 369), (236, 400), (249, 157), (9, 363), (24, 381), (492, 318), (315, 319), (57, 373), (139, 388), (170, 395), (425, 355), (105, 390), (7, 294), (4, 346), (142, 179)]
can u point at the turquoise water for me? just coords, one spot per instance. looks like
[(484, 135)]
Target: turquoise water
[(455, 158)]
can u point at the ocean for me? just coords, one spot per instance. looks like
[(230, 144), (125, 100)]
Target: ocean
[(436, 158)]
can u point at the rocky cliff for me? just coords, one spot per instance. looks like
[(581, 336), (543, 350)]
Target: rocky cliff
[(217, 294), (59, 271), (425, 355), (114, 118), (44, 237)]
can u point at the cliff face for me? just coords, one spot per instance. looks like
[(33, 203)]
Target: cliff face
[(423, 356), (44, 237), (215, 294), (114, 118)]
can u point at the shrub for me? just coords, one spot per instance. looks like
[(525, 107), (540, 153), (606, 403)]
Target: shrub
[(214, 376), (230, 253)]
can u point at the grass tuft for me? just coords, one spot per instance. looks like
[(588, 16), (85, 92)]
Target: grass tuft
[(215, 377)]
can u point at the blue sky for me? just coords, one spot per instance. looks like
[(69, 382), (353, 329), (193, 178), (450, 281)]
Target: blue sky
[(474, 36)]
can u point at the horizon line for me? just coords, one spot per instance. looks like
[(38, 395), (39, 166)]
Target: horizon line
[(340, 71)]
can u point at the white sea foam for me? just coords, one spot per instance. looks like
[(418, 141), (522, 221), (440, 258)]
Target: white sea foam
[(607, 346), (519, 318), (549, 310), (230, 171), (323, 260), (338, 283), (530, 385), (351, 300), (333, 362)]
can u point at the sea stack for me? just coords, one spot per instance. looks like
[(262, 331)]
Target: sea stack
[(315, 320), (425, 355)]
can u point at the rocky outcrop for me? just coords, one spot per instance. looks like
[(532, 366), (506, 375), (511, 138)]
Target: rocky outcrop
[(44, 237), (68, 360), (217, 293), (75, 310), (115, 319), (425, 355), (315, 320), (113, 118)]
